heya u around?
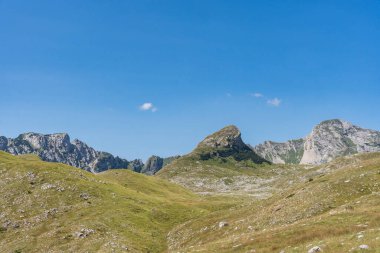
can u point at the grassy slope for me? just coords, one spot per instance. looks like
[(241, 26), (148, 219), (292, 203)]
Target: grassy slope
[(44, 205), (329, 205), (340, 201), (226, 176)]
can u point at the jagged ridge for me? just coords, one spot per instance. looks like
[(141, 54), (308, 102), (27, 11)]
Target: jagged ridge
[(58, 148)]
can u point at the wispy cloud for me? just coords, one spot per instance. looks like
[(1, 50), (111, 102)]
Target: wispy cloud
[(257, 95), (274, 102), (270, 101), (148, 107)]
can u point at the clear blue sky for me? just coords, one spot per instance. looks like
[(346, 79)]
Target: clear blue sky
[(86, 67)]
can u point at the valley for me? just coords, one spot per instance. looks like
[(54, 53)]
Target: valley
[(221, 197)]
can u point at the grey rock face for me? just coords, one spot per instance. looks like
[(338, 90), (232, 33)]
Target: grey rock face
[(154, 164), (328, 140), (335, 138), (290, 152), (58, 148), (3, 143), (105, 161), (136, 165)]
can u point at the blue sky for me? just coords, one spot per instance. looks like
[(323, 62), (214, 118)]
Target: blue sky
[(87, 67)]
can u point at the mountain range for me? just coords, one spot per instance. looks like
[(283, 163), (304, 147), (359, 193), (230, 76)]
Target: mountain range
[(59, 148), (223, 196), (328, 140)]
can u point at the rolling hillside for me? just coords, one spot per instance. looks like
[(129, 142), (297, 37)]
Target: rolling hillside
[(264, 207), (336, 208), (52, 207)]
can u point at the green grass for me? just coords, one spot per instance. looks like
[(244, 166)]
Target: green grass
[(123, 208), (341, 200), (223, 176), (226, 166), (335, 206)]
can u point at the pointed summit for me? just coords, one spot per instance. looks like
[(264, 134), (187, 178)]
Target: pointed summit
[(334, 123), (226, 142), (227, 137)]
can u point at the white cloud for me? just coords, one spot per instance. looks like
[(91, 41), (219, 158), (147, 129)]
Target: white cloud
[(148, 107), (274, 102), (257, 95)]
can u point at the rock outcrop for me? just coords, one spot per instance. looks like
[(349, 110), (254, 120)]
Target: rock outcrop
[(226, 142), (328, 140), (156, 163), (136, 165), (289, 152), (59, 148), (152, 165)]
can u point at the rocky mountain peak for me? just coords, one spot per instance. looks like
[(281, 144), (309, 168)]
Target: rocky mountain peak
[(327, 140), (334, 138), (226, 142), (40, 141), (333, 124), (58, 148), (227, 137)]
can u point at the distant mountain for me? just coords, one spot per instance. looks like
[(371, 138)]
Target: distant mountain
[(156, 163), (328, 140), (59, 148), (334, 138), (153, 164)]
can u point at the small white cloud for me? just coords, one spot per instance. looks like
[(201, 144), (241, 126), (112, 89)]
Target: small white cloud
[(257, 95), (274, 102), (228, 94), (148, 107)]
